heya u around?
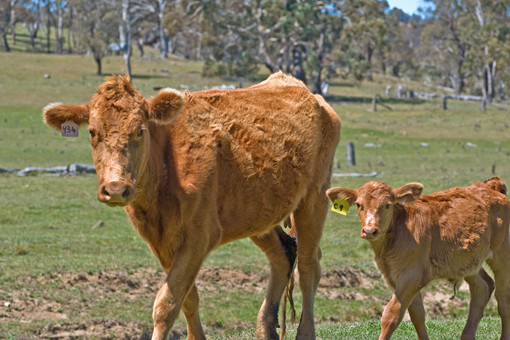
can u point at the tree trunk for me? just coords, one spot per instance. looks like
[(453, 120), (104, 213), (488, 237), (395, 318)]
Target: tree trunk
[(13, 21), (163, 39), (48, 27), (33, 27), (60, 28), (317, 81), (69, 32), (6, 44), (298, 70), (126, 37), (99, 66)]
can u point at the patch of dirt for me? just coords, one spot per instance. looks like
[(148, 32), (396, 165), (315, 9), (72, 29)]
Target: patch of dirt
[(23, 306), (100, 329)]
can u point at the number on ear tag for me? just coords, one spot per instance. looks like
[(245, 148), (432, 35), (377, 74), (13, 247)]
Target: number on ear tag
[(340, 206), (69, 129)]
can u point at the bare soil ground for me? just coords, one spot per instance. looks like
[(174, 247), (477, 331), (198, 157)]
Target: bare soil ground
[(21, 305)]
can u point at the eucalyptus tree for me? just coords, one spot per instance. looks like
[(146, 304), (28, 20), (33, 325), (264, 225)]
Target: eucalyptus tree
[(95, 25)]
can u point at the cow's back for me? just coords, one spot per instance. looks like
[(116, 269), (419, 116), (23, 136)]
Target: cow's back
[(266, 144)]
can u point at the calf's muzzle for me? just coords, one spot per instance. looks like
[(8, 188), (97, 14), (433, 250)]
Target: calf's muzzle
[(369, 232)]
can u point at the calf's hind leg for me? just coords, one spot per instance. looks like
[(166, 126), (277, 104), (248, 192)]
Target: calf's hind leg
[(280, 251), (481, 287), (500, 265)]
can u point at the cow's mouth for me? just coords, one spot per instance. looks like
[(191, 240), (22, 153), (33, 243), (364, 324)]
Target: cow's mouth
[(116, 204)]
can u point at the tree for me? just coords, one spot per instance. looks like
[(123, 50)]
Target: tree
[(488, 34), (363, 35), (5, 9), (317, 26), (96, 24), (400, 43), (60, 9), (444, 45), (32, 19), (132, 12)]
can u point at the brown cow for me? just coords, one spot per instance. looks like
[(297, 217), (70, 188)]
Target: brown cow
[(446, 235), (197, 170)]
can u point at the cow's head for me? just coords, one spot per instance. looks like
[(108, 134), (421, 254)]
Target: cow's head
[(376, 202), (118, 117)]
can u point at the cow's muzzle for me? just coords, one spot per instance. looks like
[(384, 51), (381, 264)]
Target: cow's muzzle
[(116, 193)]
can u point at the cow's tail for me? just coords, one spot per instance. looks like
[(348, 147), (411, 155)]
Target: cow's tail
[(288, 241)]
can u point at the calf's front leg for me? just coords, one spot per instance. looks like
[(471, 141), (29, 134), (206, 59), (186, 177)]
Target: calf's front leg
[(417, 314), (395, 309)]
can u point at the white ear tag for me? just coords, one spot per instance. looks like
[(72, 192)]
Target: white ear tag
[(69, 129)]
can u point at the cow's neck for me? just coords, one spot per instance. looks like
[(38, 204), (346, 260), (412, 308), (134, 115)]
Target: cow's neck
[(154, 177), (155, 207)]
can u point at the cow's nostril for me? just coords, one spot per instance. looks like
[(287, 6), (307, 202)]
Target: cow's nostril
[(126, 193), (104, 191)]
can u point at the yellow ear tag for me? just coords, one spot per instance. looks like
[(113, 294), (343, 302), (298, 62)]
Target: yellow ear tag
[(340, 206)]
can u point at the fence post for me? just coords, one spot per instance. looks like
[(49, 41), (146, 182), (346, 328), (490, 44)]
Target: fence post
[(351, 159), (445, 98), (374, 104)]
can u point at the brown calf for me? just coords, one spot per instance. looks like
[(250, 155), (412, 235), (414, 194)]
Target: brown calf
[(197, 170), (445, 235)]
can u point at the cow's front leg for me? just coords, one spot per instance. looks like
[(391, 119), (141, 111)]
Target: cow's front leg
[(190, 309), (178, 287)]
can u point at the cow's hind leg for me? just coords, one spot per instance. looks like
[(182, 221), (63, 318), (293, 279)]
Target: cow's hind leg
[(309, 220), (280, 250), (481, 287), (500, 265)]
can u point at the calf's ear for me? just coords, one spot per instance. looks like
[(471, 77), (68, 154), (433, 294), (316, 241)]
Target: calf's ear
[(408, 193), (56, 114), (165, 106), (348, 194)]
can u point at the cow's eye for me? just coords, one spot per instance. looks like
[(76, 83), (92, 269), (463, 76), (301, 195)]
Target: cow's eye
[(92, 133), (359, 206), (140, 133), (387, 205)]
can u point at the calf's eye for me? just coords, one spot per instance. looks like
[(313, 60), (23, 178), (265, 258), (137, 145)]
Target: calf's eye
[(387, 206), (92, 133), (140, 133)]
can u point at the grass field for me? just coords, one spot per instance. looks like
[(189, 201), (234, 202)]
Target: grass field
[(59, 273)]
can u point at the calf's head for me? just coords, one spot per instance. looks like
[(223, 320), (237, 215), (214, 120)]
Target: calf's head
[(376, 203), (118, 122)]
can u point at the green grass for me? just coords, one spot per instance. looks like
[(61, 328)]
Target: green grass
[(46, 221)]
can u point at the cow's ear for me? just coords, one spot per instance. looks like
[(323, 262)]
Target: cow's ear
[(348, 194), (56, 114), (165, 106), (408, 193)]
